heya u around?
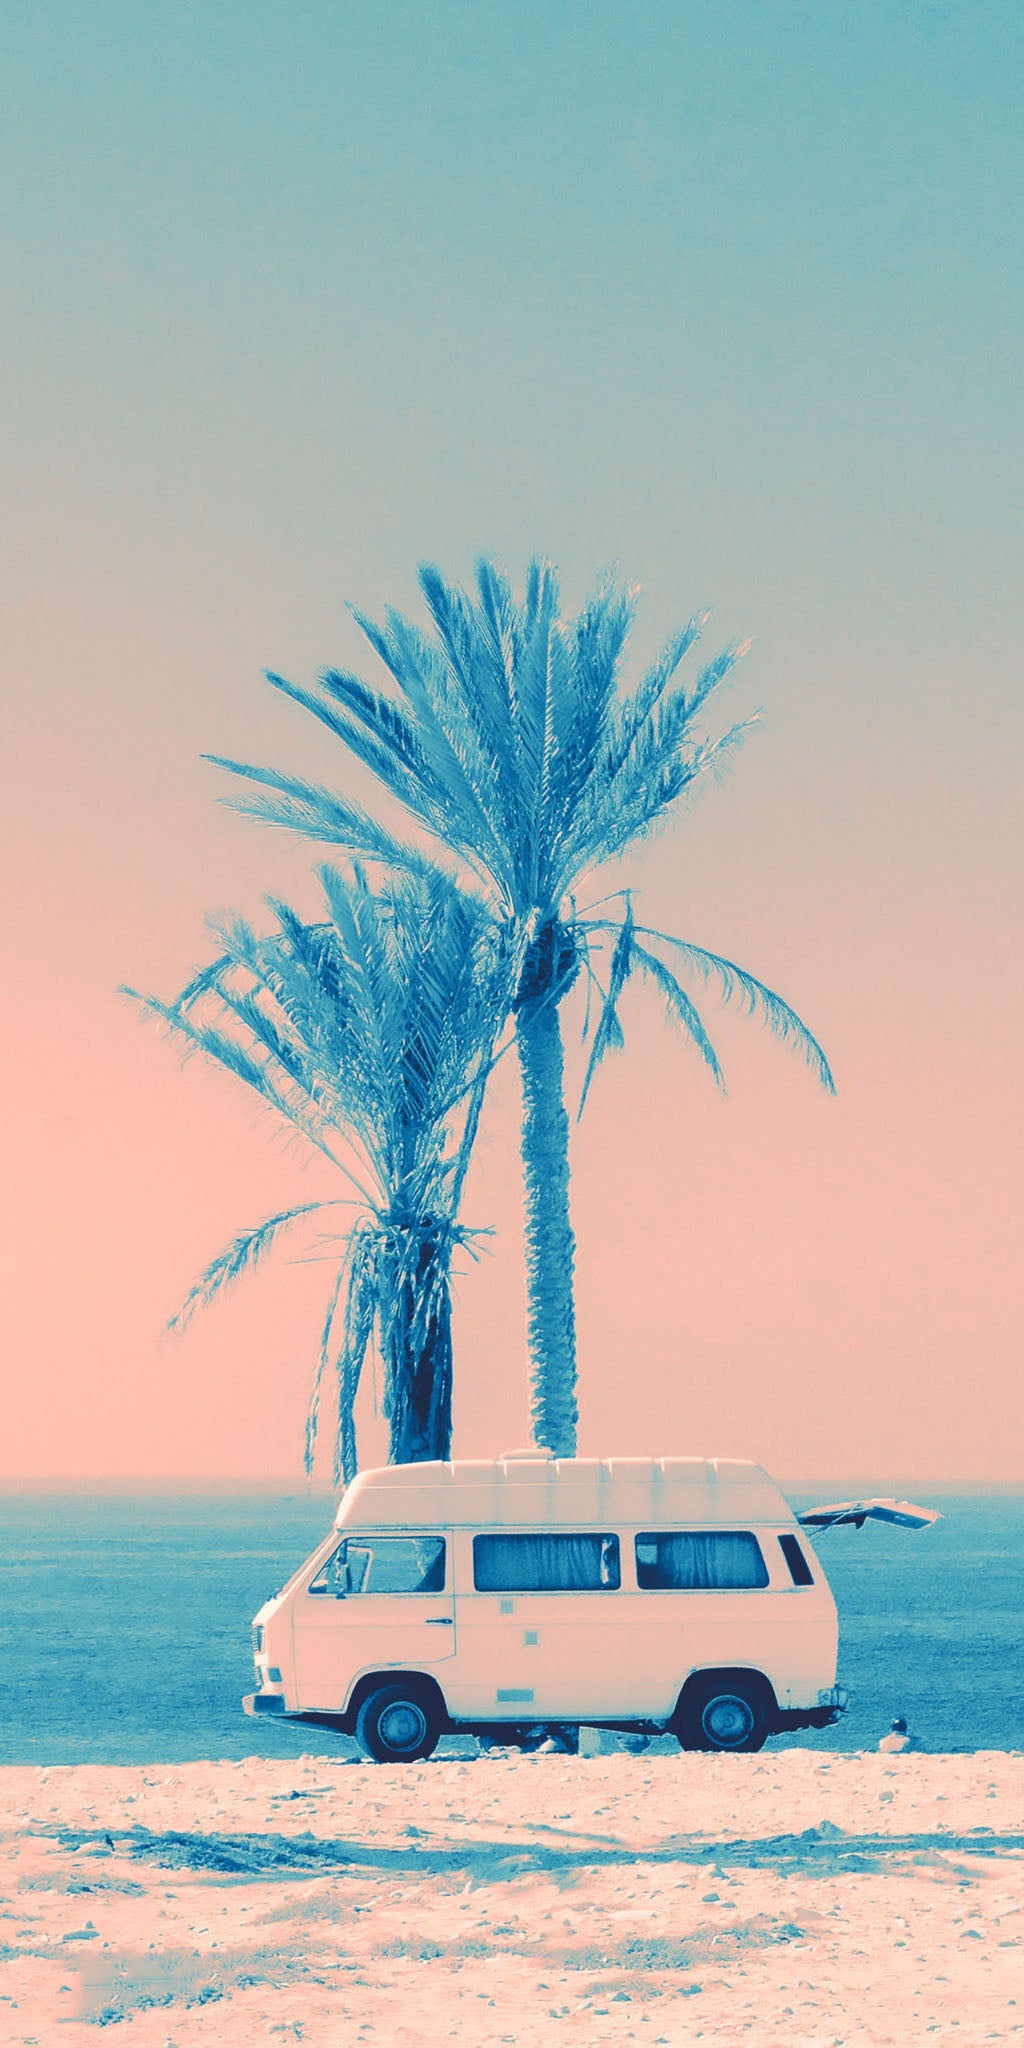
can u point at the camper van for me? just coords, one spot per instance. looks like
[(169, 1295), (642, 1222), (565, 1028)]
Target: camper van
[(502, 1599)]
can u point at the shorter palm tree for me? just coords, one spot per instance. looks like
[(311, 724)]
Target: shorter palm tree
[(370, 1033)]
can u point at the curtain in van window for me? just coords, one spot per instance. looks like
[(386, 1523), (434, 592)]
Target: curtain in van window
[(699, 1560), (545, 1564)]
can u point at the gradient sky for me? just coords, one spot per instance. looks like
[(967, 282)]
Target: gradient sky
[(727, 295)]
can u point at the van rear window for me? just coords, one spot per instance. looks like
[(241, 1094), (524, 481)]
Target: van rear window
[(689, 1561), (799, 1570), (546, 1564)]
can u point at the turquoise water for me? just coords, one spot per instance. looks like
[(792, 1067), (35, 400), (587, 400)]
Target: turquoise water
[(124, 1625)]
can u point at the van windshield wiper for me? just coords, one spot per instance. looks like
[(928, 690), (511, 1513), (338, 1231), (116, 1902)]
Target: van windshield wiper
[(857, 1512)]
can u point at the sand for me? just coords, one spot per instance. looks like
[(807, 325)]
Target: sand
[(790, 1897)]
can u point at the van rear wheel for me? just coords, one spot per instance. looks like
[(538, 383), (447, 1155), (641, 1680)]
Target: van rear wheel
[(396, 1724), (722, 1715)]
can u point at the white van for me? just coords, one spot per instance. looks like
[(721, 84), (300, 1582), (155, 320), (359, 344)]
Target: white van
[(497, 1599)]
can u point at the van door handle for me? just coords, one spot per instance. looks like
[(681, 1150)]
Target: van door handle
[(439, 1621)]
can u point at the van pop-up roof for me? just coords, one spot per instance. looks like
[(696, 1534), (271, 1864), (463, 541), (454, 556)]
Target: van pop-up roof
[(527, 1487)]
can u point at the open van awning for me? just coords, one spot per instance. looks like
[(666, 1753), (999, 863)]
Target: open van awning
[(902, 1512)]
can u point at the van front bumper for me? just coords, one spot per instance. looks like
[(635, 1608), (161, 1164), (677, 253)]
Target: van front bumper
[(263, 1703)]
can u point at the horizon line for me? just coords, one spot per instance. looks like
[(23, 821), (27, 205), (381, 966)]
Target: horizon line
[(288, 1483)]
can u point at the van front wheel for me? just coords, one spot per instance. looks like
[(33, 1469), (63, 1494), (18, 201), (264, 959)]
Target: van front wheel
[(726, 1715), (397, 1725)]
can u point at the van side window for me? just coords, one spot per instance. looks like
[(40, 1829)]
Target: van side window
[(799, 1570), (546, 1564), (384, 1564), (699, 1560)]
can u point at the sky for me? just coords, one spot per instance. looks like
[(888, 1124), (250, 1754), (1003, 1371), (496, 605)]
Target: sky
[(727, 298)]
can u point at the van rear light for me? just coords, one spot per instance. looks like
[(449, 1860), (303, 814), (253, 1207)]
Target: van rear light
[(799, 1570)]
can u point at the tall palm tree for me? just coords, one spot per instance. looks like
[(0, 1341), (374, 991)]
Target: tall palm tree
[(371, 1034), (506, 735)]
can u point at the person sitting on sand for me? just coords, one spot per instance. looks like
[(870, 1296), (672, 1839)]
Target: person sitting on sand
[(560, 1740), (898, 1740), (544, 1737)]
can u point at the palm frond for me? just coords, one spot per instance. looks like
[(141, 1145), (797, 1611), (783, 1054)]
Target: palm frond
[(393, 741), (637, 710), (378, 734), (361, 1304), (313, 1411), (608, 1031), (758, 999), (377, 999), (296, 1066), (203, 980), (603, 827), (301, 971), (543, 714), (240, 1256), (682, 1007), (494, 685), (382, 1019), (595, 642), (427, 672), (298, 1109), (384, 720), (316, 813)]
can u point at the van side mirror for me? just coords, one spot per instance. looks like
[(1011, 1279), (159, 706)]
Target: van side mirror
[(338, 1574)]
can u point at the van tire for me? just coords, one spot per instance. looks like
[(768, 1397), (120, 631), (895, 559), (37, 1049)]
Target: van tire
[(397, 1724), (723, 1714)]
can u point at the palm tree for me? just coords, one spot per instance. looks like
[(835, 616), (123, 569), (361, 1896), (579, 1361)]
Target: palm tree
[(371, 1034), (505, 734)]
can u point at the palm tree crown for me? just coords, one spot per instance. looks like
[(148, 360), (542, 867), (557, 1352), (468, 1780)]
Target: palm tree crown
[(506, 734)]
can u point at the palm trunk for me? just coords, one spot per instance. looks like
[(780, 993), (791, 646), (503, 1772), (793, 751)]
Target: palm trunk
[(418, 1364), (550, 1245)]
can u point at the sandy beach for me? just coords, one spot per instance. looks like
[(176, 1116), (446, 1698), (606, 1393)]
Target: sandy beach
[(787, 1897)]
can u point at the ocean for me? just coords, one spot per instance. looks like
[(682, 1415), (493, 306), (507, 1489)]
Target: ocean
[(124, 1625)]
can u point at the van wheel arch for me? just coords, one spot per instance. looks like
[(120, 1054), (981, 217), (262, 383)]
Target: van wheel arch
[(371, 1681), (388, 1689), (733, 1708)]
